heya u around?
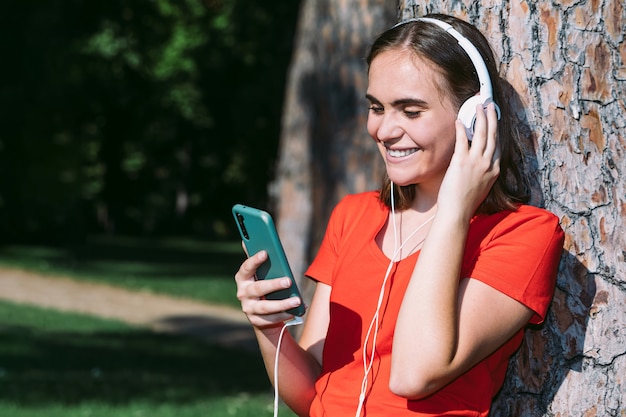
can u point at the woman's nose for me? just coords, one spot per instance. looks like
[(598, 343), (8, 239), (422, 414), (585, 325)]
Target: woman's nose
[(388, 128)]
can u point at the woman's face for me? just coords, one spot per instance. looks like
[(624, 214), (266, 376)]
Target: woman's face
[(411, 118)]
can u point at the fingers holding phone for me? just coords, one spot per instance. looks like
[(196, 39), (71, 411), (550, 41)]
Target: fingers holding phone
[(252, 293), (266, 286)]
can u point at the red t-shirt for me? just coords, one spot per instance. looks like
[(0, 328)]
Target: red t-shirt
[(515, 252)]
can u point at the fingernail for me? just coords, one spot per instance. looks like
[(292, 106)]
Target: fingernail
[(262, 255), (294, 302), (286, 283)]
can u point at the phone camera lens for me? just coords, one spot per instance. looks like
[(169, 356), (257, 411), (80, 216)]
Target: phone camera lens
[(244, 232)]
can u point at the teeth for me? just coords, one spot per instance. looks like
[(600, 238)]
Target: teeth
[(400, 153)]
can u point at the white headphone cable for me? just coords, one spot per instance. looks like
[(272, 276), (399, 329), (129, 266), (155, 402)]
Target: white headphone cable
[(374, 324), (293, 322)]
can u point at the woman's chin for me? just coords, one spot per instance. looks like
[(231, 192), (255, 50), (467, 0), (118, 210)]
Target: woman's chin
[(402, 182)]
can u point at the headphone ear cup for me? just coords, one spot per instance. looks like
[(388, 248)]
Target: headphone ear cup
[(467, 114)]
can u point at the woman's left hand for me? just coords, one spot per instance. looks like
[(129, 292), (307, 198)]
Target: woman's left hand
[(473, 169)]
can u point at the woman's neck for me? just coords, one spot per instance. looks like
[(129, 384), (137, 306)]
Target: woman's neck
[(425, 198)]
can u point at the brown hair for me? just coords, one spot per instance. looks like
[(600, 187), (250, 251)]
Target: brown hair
[(430, 42)]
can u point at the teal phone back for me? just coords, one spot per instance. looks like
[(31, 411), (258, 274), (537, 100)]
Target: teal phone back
[(258, 232)]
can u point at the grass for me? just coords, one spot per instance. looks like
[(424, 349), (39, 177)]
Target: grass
[(181, 267), (57, 364)]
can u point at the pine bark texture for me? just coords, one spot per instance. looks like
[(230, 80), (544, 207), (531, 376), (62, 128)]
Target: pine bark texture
[(566, 63)]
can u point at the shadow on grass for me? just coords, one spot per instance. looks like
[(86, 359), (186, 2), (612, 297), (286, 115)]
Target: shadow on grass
[(115, 367), (154, 257)]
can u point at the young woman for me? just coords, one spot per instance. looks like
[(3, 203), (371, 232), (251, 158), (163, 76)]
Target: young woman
[(424, 287)]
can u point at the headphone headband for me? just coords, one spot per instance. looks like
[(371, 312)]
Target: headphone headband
[(467, 112), (472, 52), (468, 47)]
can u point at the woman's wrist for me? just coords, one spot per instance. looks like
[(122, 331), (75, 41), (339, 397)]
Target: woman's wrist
[(453, 219), (269, 330)]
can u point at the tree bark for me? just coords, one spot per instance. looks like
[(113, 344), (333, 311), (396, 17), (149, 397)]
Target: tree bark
[(566, 63)]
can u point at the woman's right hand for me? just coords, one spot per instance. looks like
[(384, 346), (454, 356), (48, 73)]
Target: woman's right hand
[(473, 169), (251, 293)]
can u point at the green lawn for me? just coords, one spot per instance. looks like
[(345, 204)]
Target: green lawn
[(181, 267), (56, 364)]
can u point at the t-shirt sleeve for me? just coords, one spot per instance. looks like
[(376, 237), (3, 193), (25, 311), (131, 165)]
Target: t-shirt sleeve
[(520, 258), (345, 220), (321, 269)]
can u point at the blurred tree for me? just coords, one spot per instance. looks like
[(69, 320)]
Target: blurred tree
[(325, 151), (140, 117)]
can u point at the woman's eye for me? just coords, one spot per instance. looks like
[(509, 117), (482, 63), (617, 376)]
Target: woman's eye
[(376, 109), (412, 114)]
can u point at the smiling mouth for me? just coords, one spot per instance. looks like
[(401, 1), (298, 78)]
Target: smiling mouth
[(398, 153)]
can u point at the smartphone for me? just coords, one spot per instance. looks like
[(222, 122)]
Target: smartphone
[(258, 232)]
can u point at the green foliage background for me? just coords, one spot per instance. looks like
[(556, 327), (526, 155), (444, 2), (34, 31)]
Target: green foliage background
[(138, 117)]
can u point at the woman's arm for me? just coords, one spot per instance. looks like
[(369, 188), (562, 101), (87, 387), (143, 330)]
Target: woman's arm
[(443, 329), (299, 364), (458, 326)]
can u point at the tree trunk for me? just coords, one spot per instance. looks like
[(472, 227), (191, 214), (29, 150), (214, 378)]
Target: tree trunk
[(566, 62), (325, 151)]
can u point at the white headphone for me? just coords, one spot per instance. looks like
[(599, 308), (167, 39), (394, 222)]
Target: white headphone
[(467, 111)]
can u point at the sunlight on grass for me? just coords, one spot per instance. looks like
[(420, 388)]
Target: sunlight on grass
[(180, 267)]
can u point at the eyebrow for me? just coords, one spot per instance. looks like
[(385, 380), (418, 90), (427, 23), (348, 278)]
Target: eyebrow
[(401, 102)]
